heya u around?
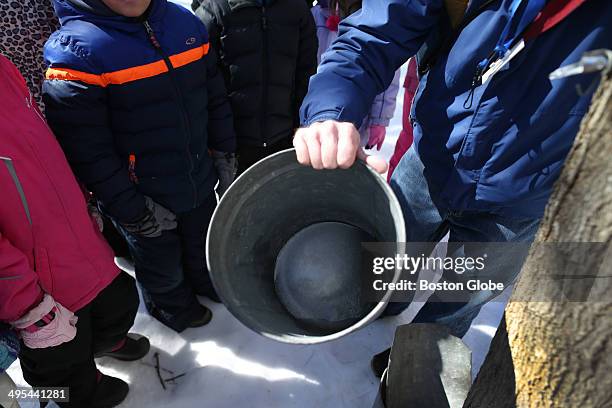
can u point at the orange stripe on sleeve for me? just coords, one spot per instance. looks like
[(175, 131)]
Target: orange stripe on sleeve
[(66, 74), (129, 74)]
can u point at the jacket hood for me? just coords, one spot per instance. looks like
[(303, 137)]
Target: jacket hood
[(96, 12)]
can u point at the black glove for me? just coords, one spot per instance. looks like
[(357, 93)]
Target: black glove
[(227, 167), (156, 219)]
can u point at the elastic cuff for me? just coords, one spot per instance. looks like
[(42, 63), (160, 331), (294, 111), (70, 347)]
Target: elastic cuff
[(320, 118), (36, 313), (329, 114)]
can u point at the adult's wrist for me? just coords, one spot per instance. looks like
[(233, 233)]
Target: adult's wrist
[(322, 117)]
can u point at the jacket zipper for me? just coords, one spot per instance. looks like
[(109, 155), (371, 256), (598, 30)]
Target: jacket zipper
[(264, 66), (179, 95)]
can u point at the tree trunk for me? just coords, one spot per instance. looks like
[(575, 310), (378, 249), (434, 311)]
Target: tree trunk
[(558, 353)]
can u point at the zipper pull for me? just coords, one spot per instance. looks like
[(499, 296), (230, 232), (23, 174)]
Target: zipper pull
[(132, 169), (151, 35), (476, 82), (469, 100), (477, 79)]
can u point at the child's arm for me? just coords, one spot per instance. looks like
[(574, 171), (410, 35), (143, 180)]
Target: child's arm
[(19, 287), (383, 106), (24, 305), (78, 114), (221, 135), (381, 113)]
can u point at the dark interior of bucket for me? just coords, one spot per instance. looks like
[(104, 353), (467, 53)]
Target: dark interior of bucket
[(263, 210)]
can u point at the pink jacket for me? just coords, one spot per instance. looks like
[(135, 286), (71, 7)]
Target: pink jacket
[(48, 242), (411, 82)]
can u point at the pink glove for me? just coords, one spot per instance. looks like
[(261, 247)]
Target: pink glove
[(332, 23), (377, 136), (59, 328)]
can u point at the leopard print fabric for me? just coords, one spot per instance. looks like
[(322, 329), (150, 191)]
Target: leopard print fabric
[(25, 25)]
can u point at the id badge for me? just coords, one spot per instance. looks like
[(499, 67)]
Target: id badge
[(498, 65)]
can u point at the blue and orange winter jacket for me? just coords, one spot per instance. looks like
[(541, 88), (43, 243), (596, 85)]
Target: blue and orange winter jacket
[(503, 151), (136, 104)]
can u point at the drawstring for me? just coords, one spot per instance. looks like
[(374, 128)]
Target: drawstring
[(469, 100)]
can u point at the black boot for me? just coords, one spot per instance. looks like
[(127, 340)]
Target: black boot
[(134, 347), (380, 362), (110, 392), (195, 315), (201, 318)]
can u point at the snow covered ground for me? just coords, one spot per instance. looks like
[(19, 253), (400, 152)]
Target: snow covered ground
[(225, 365)]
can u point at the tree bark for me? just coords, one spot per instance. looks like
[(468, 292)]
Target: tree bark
[(558, 352)]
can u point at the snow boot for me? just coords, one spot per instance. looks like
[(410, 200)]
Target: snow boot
[(196, 315), (132, 347), (110, 392), (380, 362), (202, 318)]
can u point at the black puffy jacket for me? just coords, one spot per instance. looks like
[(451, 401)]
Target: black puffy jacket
[(267, 51), (136, 105)]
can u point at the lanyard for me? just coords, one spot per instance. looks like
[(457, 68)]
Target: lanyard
[(537, 18), (513, 29), (553, 14)]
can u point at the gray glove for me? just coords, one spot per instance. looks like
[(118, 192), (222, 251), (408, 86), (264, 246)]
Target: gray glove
[(156, 220), (227, 167), (95, 214)]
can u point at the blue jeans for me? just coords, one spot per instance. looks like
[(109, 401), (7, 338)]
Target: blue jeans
[(171, 269), (428, 221)]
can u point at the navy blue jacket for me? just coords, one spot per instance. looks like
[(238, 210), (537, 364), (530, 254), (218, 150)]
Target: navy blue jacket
[(137, 112), (267, 52), (503, 153)]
